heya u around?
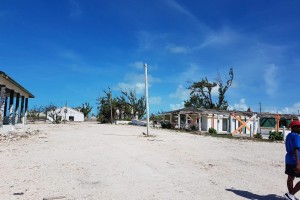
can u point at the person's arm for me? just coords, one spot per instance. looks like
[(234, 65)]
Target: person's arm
[(296, 153)]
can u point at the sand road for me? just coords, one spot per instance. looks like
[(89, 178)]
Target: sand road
[(90, 161)]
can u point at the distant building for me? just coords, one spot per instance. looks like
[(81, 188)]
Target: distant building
[(66, 113), (227, 122), (13, 102)]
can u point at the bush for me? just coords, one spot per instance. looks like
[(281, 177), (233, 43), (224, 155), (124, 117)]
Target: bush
[(212, 131), (194, 127), (258, 136), (166, 125), (273, 135)]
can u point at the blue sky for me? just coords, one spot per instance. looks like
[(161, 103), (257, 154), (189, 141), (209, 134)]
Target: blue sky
[(71, 50)]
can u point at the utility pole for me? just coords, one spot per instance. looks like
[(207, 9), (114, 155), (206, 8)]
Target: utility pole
[(110, 94), (146, 96), (259, 118), (259, 107)]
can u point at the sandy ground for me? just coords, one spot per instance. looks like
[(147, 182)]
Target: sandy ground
[(93, 161)]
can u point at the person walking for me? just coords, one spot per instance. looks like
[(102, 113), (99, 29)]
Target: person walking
[(292, 160)]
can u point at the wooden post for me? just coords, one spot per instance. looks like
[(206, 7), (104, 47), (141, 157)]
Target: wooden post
[(277, 117), (243, 123)]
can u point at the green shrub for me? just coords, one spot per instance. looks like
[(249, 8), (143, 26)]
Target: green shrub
[(273, 135), (258, 136), (194, 127), (212, 131), (166, 125)]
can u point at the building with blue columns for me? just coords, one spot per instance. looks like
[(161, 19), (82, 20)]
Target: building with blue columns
[(13, 101)]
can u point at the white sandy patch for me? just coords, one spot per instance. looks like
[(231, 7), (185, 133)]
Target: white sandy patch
[(90, 161)]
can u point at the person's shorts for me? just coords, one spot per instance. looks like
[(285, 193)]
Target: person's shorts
[(290, 170)]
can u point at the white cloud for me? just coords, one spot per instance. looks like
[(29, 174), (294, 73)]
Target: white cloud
[(215, 91), (294, 109), (155, 100), (270, 78), (177, 106), (137, 65), (136, 77), (181, 93), (75, 10), (180, 8), (136, 82), (242, 106), (190, 74), (138, 87), (223, 37), (150, 40), (177, 49), (69, 54)]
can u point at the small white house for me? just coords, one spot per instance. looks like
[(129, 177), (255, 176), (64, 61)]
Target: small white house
[(68, 114)]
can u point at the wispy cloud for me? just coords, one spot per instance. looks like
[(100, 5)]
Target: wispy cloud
[(178, 49), (224, 36), (294, 109), (180, 93), (75, 9), (137, 86), (179, 8), (155, 100), (69, 54), (137, 65), (270, 78), (177, 106), (136, 81), (191, 73), (146, 40)]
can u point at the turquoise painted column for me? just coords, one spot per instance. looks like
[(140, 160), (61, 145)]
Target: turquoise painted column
[(11, 105), (17, 109), (26, 109), (22, 110), (2, 104)]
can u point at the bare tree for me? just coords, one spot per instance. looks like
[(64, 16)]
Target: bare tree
[(201, 93)]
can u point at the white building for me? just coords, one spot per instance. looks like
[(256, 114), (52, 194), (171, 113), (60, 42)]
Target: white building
[(228, 122), (224, 122), (66, 113), (13, 103)]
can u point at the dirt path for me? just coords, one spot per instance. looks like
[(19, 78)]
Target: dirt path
[(92, 161)]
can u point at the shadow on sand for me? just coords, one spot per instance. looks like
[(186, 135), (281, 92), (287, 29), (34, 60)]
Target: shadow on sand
[(249, 195)]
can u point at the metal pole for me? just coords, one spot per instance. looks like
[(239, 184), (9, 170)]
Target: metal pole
[(110, 94), (146, 96), (259, 107)]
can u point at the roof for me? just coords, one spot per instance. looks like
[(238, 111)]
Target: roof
[(227, 112), (13, 82), (206, 111)]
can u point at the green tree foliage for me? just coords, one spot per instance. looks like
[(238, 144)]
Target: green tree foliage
[(127, 104), (137, 105), (201, 93), (86, 108), (105, 105)]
